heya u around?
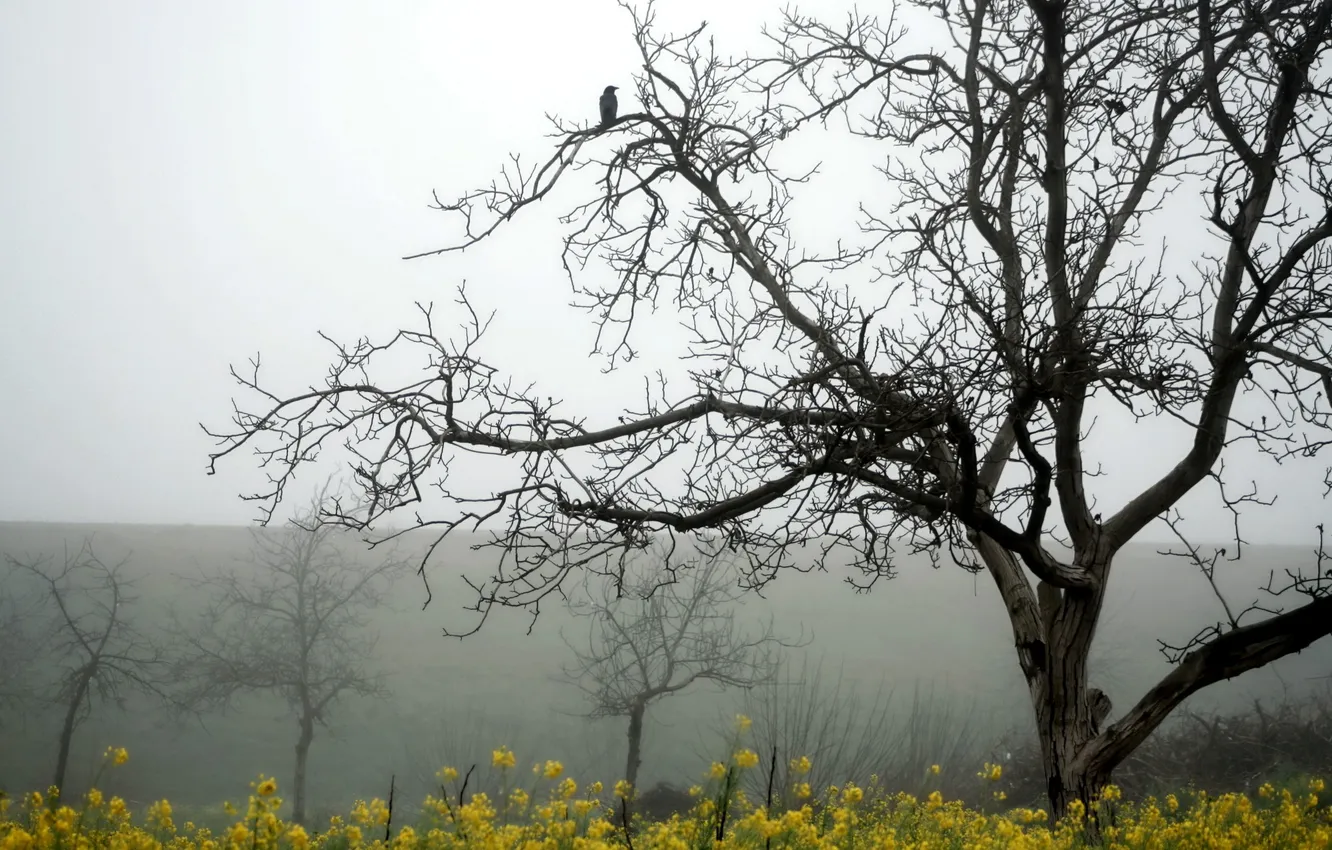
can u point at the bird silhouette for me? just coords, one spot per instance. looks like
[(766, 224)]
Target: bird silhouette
[(608, 106)]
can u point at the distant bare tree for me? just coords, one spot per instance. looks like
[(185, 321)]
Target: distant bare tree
[(99, 654), (666, 627), (937, 379), (293, 625)]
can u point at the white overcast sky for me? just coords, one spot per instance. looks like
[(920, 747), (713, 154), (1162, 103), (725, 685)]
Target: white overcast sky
[(188, 183)]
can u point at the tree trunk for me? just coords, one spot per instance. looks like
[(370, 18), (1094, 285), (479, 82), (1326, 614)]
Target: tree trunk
[(1067, 776), (635, 743), (298, 784), (1069, 714), (67, 728)]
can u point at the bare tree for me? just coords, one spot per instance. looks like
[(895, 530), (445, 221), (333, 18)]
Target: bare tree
[(944, 404), (664, 629), (293, 625), (100, 655)]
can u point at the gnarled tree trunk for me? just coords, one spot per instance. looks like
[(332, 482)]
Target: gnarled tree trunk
[(298, 784), (76, 699), (1053, 632), (635, 758)]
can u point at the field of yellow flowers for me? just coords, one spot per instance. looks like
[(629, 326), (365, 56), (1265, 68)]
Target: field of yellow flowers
[(549, 811)]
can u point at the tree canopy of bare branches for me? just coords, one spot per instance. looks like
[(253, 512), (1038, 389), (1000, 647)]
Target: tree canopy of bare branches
[(930, 382), (101, 656), (292, 623), (668, 627)]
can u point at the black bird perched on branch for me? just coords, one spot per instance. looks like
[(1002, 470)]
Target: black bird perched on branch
[(608, 106)]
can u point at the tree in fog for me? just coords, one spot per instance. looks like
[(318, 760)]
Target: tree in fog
[(661, 629), (292, 622), (88, 640), (941, 379)]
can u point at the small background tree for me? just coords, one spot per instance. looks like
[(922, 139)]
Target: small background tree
[(293, 625), (664, 627), (87, 637)]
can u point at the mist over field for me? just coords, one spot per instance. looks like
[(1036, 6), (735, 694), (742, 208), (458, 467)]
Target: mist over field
[(939, 630), (1037, 285)]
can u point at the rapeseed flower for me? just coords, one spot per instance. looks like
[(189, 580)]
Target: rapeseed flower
[(851, 817), (502, 758)]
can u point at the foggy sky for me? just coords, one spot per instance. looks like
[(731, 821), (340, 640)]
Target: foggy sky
[(188, 184)]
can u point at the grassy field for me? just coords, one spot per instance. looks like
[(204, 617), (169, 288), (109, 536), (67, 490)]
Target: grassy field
[(545, 808)]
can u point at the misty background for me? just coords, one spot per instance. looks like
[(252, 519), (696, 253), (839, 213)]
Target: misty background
[(189, 184)]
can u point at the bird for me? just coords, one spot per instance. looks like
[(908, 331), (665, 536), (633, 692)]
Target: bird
[(608, 106)]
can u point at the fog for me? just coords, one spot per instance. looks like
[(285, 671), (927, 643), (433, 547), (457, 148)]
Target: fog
[(942, 630), (189, 184)]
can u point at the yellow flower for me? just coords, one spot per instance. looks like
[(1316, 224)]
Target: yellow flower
[(695, 790), (502, 758), (121, 755), (378, 812), (717, 771), (553, 770), (568, 788), (94, 798), (801, 766), (595, 788), (239, 835), (803, 790), (298, 837), (159, 814), (934, 768), (746, 759), (1316, 785), (623, 789), (852, 794), (447, 774), (266, 788), (742, 723)]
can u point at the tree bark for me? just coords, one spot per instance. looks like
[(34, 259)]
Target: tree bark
[(1066, 725), (635, 758), (298, 783), (67, 729)]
